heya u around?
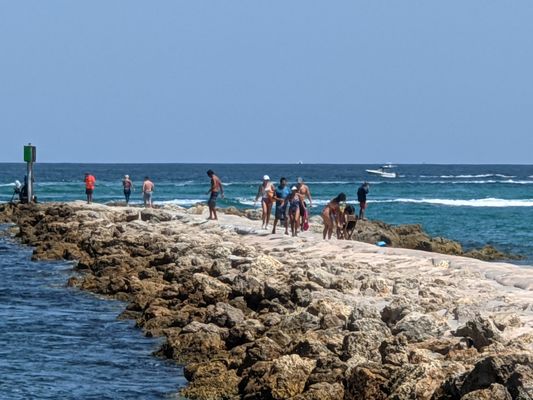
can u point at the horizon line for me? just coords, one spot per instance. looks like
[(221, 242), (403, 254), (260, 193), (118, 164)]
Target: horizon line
[(252, 163)]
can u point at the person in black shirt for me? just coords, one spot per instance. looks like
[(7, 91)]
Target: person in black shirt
[(361, 197)]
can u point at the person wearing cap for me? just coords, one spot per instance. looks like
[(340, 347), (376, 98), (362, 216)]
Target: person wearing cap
[(266, 192), (305, 193), (89, 186), (293, 202), (361, 197), (128, 187)]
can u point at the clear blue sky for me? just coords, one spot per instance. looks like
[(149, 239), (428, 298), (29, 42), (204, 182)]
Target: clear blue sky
[(267, 81)]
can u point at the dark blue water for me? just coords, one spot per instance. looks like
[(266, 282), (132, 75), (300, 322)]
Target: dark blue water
[(474, 204), (60, 343)]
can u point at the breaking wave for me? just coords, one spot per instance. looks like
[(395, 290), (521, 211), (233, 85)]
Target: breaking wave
[(488, 202)]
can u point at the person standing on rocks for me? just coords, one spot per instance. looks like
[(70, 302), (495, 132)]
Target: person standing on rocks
[(148, 190), (361, 197), (266, 193), (90, 182), (280, 214), (294, 202), (305, 193), (216, 188), (128, 187)]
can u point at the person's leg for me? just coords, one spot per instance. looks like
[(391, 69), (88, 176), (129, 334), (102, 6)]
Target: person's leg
[(277, 217), (296, 221), (263, 212), (269, 211), (332, 223), (215, 210), (325, 219), (210, 205), (293, 222)]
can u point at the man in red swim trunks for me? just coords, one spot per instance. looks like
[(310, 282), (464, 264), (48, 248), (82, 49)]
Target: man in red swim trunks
[(89, 187)]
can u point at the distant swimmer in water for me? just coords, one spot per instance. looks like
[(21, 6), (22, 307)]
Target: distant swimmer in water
[(90, 182), (216, 188), (148, 190), (280, 214), (361, 198), (331, 214), (293, 202), (266, 194), (128, 187)]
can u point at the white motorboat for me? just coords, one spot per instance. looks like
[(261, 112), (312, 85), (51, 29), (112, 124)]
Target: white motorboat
[(385, 171)]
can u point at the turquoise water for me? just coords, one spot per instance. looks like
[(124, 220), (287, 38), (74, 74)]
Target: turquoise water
[(474, 204), (61, 343)]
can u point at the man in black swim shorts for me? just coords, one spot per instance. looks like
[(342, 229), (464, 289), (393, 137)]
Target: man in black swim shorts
[(216, 188)]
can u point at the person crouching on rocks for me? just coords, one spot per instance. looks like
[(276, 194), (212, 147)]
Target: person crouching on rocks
[(148, 190), (330, 215), (266, 193)]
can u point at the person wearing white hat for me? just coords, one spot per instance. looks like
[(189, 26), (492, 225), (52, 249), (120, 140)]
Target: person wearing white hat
[(128, 187), (266, 192)]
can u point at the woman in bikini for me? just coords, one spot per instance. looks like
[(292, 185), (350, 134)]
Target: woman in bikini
[(330, 215), (266, 192), (293, 203)]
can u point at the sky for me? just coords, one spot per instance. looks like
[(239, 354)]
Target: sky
[(267, 82)]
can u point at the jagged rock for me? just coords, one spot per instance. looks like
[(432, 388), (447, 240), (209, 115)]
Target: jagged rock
[(481, 330), (288, 375), (367, 382), (211, 380), (224, 314), (493, 392), (512, 371), (418, 327), (151, 214), (322, 391)]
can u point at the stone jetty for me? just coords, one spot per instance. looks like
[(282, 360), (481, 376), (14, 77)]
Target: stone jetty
[(257, 316)]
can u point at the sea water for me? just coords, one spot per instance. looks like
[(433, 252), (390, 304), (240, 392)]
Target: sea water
[(61, 343), (474, 204)]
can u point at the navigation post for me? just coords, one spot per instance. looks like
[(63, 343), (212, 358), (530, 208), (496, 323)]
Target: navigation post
[(30, 153)]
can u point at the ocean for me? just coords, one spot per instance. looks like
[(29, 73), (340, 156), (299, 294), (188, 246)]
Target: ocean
[(62, 343), (474, 204)]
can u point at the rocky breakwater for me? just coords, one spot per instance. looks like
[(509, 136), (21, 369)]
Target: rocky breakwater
[(280, 318), (413, 236)]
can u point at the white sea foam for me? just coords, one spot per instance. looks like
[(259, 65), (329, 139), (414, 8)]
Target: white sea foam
[(7, 184), (474, 176), (181, 184), (182, 202), (488, 202)]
